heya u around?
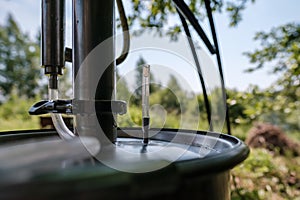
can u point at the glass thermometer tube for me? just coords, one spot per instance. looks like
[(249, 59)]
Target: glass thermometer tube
[(145, 102)]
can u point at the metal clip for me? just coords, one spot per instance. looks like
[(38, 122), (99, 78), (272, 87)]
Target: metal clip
[(51, 106), (67, 107)]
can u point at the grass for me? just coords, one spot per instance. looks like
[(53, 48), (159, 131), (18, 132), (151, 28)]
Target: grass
[(19, 124), (265, 175), (14, 115)]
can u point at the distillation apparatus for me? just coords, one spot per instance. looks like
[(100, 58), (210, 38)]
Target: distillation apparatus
[(191, 163)]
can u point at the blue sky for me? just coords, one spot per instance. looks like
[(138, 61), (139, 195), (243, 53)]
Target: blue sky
[(263, 15)]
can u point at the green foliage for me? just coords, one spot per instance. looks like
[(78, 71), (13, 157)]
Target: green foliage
[(123, 92), (134, 119), (264, 105), (281, 44), (235, 101), (14, 114), (234, 9), (137, 97), (19, 61), (280, 51), (172, 106), (169, 96), (241, 130), (280, 103), (157, 14), (266, 176)]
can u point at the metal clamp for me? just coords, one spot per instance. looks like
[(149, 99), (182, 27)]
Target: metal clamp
[(78, 107), (100, 106), (51, 106)]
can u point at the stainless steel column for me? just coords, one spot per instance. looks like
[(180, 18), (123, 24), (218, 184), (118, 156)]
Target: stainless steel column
[(93, 23)]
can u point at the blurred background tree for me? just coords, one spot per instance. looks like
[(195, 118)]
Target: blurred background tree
[(19, 62), (137, 95), (279, 50), (156, 14)]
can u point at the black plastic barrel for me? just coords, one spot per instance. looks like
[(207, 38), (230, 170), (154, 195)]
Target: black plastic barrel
[(203, 178)]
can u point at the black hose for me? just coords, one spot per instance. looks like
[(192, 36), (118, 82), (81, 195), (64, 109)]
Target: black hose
[(126, 36), (214, 35), (187, 13), (193, 49)]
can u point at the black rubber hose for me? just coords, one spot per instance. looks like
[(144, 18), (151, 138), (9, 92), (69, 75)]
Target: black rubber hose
[(193, 49), (214, 35), (126, 36), (187, 13)]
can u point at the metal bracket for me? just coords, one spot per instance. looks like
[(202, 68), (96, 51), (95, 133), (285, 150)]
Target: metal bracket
[(101, 107), (78, 107), (55, 106)]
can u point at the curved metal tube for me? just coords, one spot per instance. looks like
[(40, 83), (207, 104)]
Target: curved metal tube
[(58, 121)]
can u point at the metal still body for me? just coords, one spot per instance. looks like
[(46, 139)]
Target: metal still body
[(48, 177), (93, 25)]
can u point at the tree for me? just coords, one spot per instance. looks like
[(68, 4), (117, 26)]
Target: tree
[(139, 76), (137, 97), (280, 51), (243, 106), (171, 95), (123, 92), (156, 14), (19, 61), (280, 48)]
